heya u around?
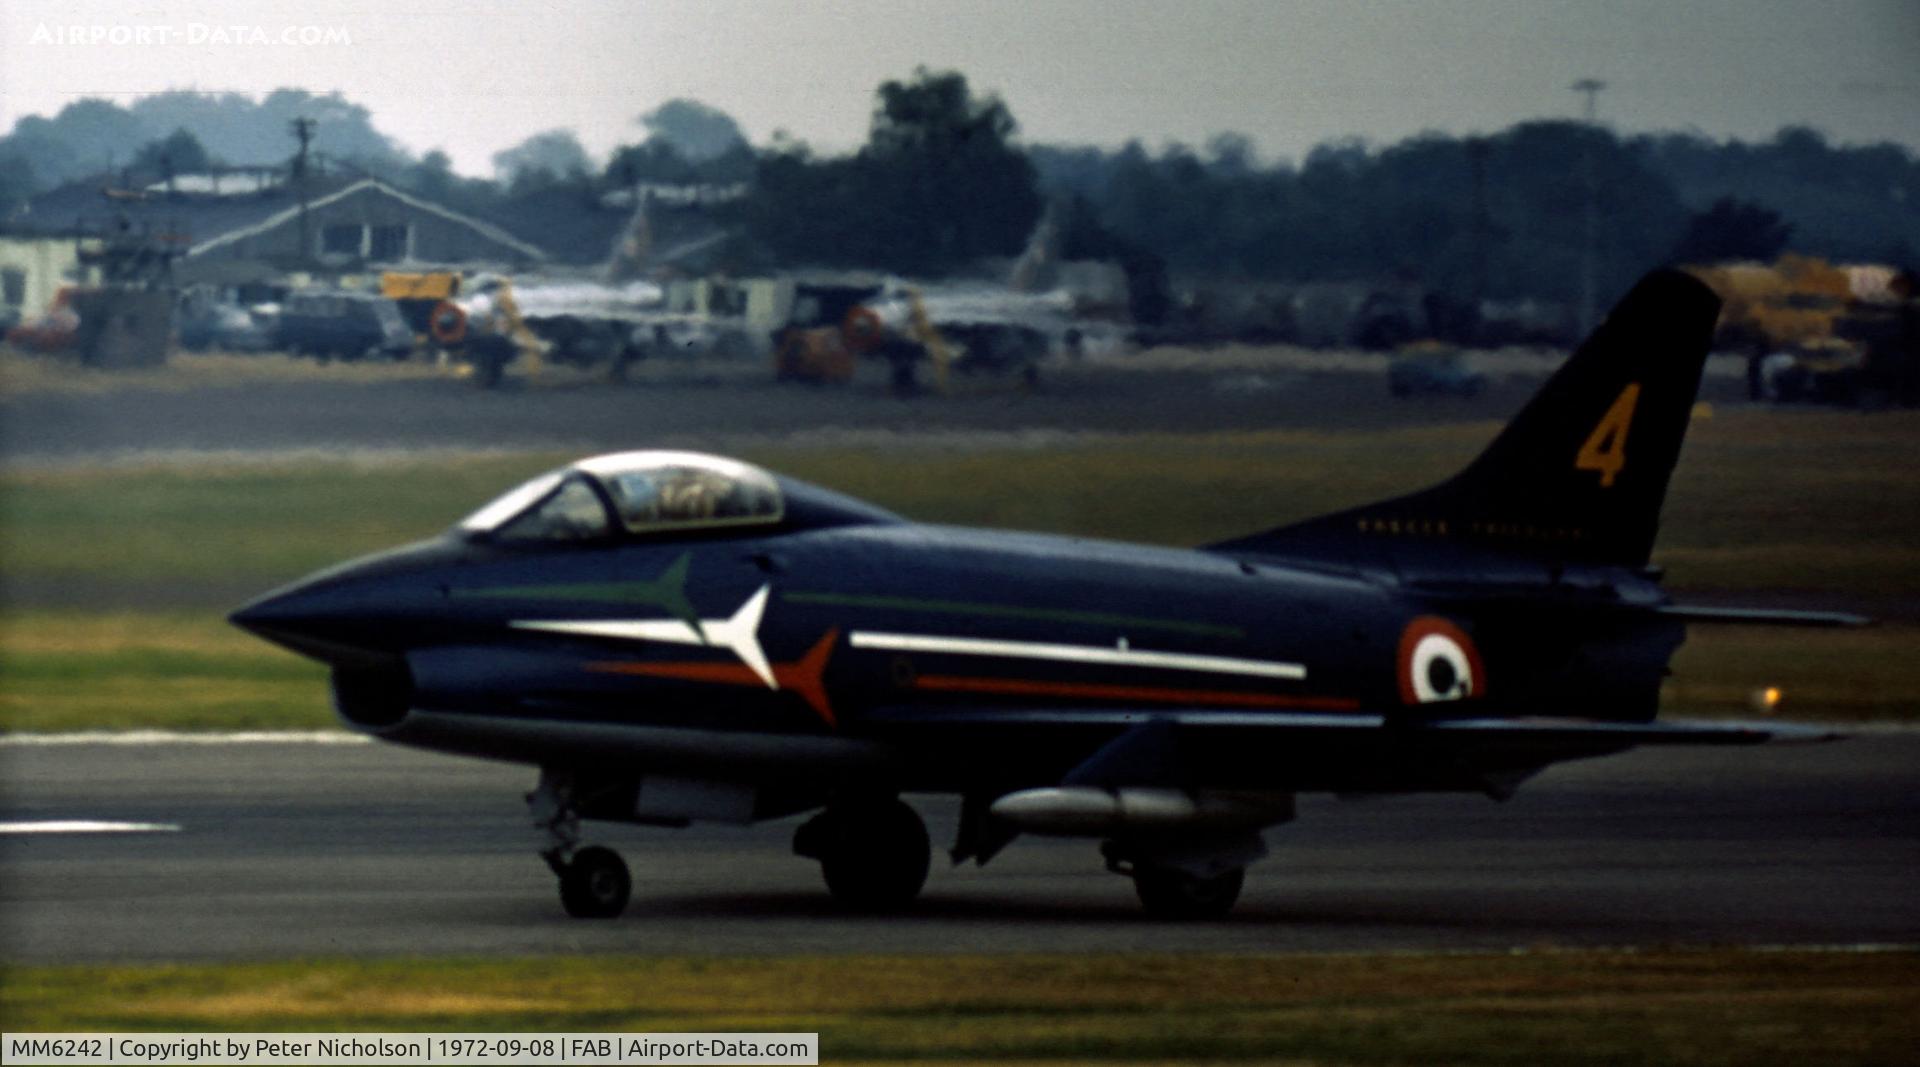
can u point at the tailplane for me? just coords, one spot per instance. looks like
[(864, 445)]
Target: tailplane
[(1580, 473)]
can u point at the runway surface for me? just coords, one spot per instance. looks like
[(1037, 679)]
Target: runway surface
[(327, 849)]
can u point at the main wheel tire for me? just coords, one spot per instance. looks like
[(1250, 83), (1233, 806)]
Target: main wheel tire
[(875, 856), (595, 884), (1171, 894)]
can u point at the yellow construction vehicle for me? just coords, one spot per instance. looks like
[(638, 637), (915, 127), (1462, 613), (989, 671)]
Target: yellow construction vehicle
[(475, 319), (1785, 304), (416, 293), (1799, 320), (828, 353)]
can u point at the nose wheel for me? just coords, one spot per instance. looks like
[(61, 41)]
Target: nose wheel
[(594, 883), (873, 853)]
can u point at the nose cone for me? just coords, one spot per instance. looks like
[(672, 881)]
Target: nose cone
[(294, 615), (356, 612)]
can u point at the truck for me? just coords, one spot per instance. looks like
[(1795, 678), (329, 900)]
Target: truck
[(1817, 331)]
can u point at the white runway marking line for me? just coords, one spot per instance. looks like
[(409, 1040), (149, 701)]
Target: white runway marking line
[(87, 826), (1120, 655), (186, 737)]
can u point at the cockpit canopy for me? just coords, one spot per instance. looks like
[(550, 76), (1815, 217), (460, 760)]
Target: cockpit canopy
[(634, 492)]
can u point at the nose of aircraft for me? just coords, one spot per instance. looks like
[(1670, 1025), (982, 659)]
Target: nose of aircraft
[(306, 608), (356, 610)]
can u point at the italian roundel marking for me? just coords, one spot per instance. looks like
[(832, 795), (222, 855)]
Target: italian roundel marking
[(1438, 662)]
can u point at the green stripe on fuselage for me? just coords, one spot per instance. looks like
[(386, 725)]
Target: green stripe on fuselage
[(1011, 611), (667, 592)]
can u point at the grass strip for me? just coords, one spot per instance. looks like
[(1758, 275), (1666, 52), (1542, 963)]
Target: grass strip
[(1577, 1007), (127, 670), (1838, 675), (1762, 500)]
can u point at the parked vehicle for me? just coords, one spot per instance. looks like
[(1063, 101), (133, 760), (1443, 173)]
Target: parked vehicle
[(1434, 373), (223, 327), (331, 323)]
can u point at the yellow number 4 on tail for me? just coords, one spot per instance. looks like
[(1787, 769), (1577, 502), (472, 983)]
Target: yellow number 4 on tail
[(1606, 447)]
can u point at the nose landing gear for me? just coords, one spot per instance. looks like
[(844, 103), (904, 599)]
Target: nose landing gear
[(594, 883)]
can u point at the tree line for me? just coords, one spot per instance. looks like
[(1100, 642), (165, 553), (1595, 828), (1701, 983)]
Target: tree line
[(943, 182)]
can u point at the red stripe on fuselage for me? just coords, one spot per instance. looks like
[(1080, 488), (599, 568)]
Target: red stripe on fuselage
[(803, 676)]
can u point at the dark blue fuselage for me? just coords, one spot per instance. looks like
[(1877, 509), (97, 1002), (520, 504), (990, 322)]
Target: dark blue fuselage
[(881, 631)]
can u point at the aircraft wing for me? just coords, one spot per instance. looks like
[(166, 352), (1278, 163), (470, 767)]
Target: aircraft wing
[(1763, 616), (964, 716), (1294, 751), (1481, 594), (1660, 731)]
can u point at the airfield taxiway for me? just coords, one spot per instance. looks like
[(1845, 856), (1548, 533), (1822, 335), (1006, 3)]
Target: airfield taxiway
[(301, 849), (562, 414)]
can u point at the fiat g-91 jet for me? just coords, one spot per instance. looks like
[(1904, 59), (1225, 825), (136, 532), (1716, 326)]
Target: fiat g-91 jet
[(671, 636)]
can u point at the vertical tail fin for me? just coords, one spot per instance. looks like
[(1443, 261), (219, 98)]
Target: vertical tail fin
[(1581, 472)]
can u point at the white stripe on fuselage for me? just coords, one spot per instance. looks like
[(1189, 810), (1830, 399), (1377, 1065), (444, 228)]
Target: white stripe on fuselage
[(1120, 655), (740, 633), (87, 826)]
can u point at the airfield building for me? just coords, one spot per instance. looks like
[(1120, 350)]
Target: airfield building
[(236, 227)]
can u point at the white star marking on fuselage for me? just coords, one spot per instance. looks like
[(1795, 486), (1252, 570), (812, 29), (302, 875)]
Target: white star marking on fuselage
[(740, 633)]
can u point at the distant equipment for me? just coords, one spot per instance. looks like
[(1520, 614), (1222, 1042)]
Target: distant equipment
[(1817, 331), (1432, 371), (329, 323)]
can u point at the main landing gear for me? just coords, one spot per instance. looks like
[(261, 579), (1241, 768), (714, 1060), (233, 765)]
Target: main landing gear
[(594, 883), (874, 855), (1177, 880), (1167, 893), (873, 852)]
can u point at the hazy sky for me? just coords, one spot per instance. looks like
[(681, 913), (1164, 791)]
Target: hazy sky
[(473, 78)]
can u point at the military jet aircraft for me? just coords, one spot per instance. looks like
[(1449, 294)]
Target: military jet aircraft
[(671, 636)]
